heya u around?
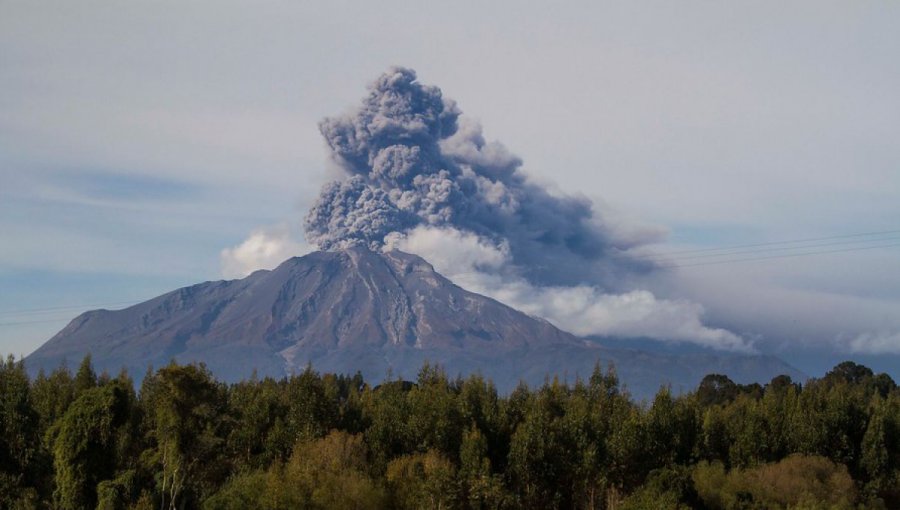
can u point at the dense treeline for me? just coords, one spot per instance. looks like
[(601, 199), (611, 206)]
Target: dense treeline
[(186, 440)]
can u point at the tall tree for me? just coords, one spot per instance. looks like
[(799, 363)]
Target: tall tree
[(385, 409), (876, 460), (255, 406), (434, 419), (422, 481), (85, 377), (480, 489), (19, 442), (85, 442), (184, 409), (52, 395), (716, 389)]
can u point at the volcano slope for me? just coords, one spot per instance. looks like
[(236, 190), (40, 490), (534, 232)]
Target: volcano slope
[(382, 314)]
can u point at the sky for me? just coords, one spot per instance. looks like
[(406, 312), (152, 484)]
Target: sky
[(147, 146)]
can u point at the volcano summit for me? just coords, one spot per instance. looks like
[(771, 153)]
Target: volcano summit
[(345, 310), (359, 310), (414, 171)]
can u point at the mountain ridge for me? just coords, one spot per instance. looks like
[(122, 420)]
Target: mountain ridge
[(359, 310)]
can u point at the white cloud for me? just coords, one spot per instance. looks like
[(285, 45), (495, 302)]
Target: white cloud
[(480, 266), (883, 342), (662, 122), (265, 248), (452, 252)]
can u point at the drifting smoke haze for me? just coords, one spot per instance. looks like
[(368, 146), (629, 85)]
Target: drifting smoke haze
[(884, 342), (422, 179), (582, 309)]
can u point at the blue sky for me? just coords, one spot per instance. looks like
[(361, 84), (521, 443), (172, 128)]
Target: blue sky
[(138, 141)]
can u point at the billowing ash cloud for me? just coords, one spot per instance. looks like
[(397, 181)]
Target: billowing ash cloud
[(423, 179), (580, 309), (411, 160)]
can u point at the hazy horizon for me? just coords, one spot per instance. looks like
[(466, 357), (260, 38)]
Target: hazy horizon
[(747, 152)]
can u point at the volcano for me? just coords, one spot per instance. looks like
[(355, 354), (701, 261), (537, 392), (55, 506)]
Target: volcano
[(381, 314)]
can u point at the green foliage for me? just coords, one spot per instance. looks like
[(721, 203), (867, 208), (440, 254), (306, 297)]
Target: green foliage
[(434, 420), (540, 451), (422, 480), (716, 389), (116, 494), (258, 410), (310, 414), (479, 487), (795, 482), (84, 446), (326, 473), (243, 491), (558, 457), (85, 377), (185, 419), (848, 372), (330, 441), (388, 435), (480, 407), (19, 444), (747, 432), (52, 395), (673, 426), (665, 489), (333, 472)]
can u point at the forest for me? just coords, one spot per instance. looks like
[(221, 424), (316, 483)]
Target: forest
[(181, 439)]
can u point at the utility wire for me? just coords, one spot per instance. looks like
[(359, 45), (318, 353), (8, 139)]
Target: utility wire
[(25, 313), (771, 243), (66, 319), (786, 255), (860, 242), (728, 251), (40, 311)]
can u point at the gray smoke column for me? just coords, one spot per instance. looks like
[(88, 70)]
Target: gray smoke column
[(411, 160)]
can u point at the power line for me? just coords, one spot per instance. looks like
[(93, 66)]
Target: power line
[(787, 255), (25, 313), (771, 243), (20, 323), (779, 248), (62, 308), (727, 251)]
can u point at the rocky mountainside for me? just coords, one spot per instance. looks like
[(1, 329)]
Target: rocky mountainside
[(358, 310)]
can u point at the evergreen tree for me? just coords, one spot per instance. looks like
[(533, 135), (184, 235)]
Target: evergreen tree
[(480, 489), (19, 444), (84, 445), (422, 481), (85, 377), (875, 461), (185, 419), (329, 441)]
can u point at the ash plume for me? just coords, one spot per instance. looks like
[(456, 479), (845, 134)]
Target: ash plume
[(412, 161), (421, 178)]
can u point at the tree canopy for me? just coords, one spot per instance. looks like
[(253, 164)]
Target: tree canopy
[(186, 440)]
